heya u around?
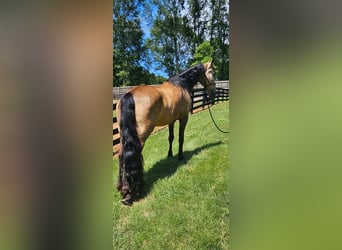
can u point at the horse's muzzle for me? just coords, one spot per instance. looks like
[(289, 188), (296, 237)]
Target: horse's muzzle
[(211, 91)]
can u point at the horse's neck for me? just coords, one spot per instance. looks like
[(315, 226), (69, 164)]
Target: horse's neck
[(189, 83), (189, 78)]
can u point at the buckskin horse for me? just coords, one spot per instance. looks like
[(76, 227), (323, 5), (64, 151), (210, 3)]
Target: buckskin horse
[(144, 107)]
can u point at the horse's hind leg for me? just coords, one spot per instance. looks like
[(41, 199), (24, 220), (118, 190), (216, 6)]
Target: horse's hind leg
[(182, 124), (122, 184), (171, 137)]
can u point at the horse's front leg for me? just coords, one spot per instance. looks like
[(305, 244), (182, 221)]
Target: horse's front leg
[(171, 137), (182, 124)]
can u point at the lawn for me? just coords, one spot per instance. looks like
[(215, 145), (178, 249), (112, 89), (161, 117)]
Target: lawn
[(186, 202)]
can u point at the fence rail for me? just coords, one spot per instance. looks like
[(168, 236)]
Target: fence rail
[(119, 91), (200, 100)]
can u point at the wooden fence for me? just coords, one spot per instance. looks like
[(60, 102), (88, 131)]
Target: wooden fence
[(119, 91), (116, 138), (201, 100), (199, 97)]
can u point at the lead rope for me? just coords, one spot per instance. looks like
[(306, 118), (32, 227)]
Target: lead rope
[(212, 118)]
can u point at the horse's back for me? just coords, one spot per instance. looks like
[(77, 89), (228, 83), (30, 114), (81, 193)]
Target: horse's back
[(158, 105), (176, 101), (148, 105), (148, 101), (163, 104)]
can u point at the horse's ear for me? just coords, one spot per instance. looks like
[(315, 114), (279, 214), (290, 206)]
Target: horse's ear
[(208, 64), (211, 63)]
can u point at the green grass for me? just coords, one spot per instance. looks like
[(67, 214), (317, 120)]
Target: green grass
[(186, 205)]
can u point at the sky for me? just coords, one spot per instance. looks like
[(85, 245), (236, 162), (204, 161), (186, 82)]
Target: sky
[(146, 27)]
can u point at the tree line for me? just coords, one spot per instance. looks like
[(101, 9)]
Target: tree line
[(183, 33)]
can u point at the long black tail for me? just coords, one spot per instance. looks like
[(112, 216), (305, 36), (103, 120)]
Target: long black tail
[(131, 158)]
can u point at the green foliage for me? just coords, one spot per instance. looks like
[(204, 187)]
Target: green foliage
[(197, 21), (129, 48), (204, 53), (183, 33), (123, 75), (187, 202), (170, 41), (180, 30), (219, 37)]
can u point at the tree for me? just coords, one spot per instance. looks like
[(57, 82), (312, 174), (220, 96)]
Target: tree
[(204, 53), (183, 32), (197, 21), (181, 27), (170, 41), (128, 47), (219, 36)]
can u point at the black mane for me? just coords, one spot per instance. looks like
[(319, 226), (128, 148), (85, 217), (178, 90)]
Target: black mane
[(188, 78)]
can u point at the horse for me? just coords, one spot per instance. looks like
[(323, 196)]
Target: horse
[(144, 107)]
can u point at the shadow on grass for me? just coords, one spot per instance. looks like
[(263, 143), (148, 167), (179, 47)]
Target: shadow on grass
[(168, 166)]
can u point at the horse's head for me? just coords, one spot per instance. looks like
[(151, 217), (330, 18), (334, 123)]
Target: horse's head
[(207, 79)]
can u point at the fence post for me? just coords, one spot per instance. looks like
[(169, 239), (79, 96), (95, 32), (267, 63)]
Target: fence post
[(204, 99), (192, 101), (217, 97)]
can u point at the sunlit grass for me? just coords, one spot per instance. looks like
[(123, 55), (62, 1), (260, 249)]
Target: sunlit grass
[(186, 205)]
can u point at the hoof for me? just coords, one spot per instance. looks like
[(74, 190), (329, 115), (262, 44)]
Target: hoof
[(128, 201)]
